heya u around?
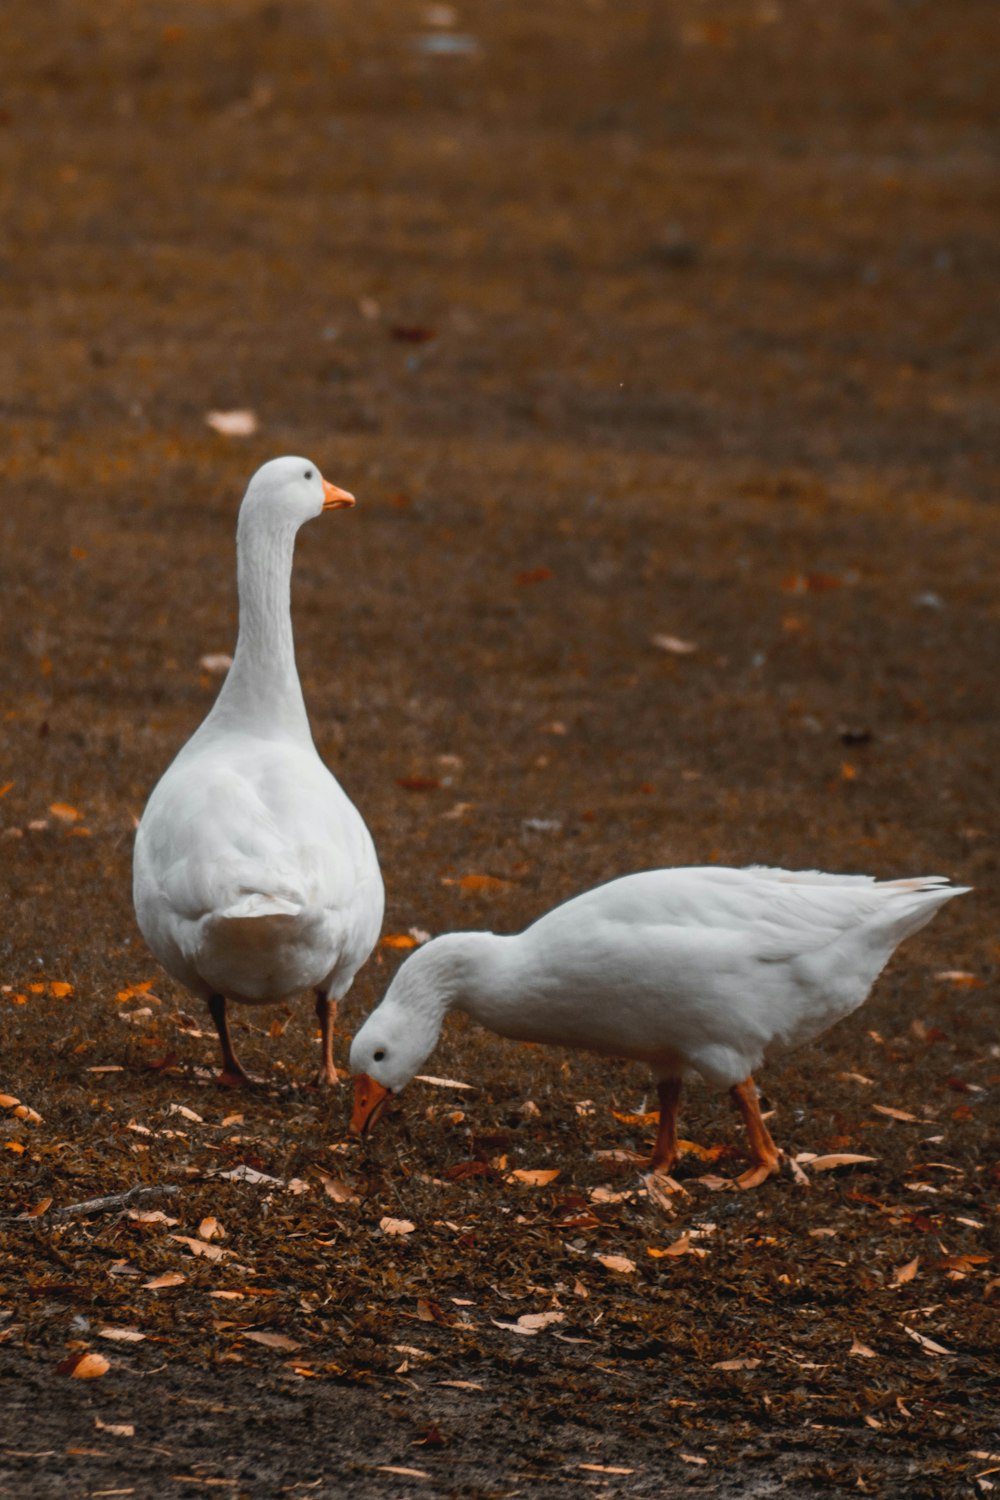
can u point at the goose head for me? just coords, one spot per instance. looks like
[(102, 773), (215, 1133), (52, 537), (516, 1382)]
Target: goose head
[(390, 1048), (293, 491), (401, 1033)]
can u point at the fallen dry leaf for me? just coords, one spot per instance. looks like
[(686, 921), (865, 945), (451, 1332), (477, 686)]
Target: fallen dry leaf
[(441, 1083), (928, 1345), (335, 1187), (398, 940), (895, 1114), (604, 1469), (902, 1274), (736, 1364), (617, 1263), (116, 1429), (232, 423), (274, 1341), (84, 1366), (537, 1177), (396, 1226), (185, 1113), (168, 1278), (531, 1323), (673, 644), (961, 977), (121, 1335), (478, 883), (201, 1247), (861, 1350), (662, 1189), (682, 1246), (211, 1229), (830, 1162), (64, 812), (406, 1473)]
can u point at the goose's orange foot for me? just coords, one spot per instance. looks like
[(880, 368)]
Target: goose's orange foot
[(234, 1078), (764, 1154), (326, 1077), (759, 1173)]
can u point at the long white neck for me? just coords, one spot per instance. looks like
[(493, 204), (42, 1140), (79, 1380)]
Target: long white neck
[(262, 688), (467, 971)]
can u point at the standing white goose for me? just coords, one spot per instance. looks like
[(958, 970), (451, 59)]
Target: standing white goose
[(701, 969), (254, 876)]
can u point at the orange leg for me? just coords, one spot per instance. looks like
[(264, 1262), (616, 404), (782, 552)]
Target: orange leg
[(665, 1149), (326, 1014), (232, 1075), (763, 1152)]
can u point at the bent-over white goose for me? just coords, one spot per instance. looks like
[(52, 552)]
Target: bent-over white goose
[(683, 969), (254, 876)]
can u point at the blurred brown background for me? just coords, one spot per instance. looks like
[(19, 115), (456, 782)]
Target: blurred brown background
[(635, 327)]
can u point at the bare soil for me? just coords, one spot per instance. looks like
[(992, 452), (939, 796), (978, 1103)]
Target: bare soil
[(623, 322)]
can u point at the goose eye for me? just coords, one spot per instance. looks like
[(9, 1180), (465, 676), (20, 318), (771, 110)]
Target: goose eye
[(379, 1055), (308, 474)]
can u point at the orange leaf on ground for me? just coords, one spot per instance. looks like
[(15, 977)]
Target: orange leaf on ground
[(649, 1118), (961, 977), (861, 1350), (398, 940), (736, 1364), (895, 1114), (683, 1246), (84, 1366), (64, 812), (169, 1278), (60, 989), (536, 1178), (902, 1274), (481, 883)]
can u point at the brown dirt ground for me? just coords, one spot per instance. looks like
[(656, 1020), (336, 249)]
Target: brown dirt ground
[(638, 319)]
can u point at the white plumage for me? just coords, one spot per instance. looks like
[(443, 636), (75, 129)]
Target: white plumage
[(683, 969), (254, 875)]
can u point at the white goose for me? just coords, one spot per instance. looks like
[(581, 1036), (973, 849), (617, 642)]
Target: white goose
[(701, 969), (254, 876)]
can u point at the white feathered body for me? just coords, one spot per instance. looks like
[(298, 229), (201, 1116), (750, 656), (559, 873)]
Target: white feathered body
[(706, 968), (254, 874), (703, 969)]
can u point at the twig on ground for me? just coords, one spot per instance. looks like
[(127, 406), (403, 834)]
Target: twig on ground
[(99, 1205)]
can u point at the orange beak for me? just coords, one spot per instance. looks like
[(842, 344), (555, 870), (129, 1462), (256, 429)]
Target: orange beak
[(370, 1099), (334, 499)]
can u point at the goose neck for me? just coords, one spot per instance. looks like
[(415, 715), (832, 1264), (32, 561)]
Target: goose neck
[(263, 682)]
